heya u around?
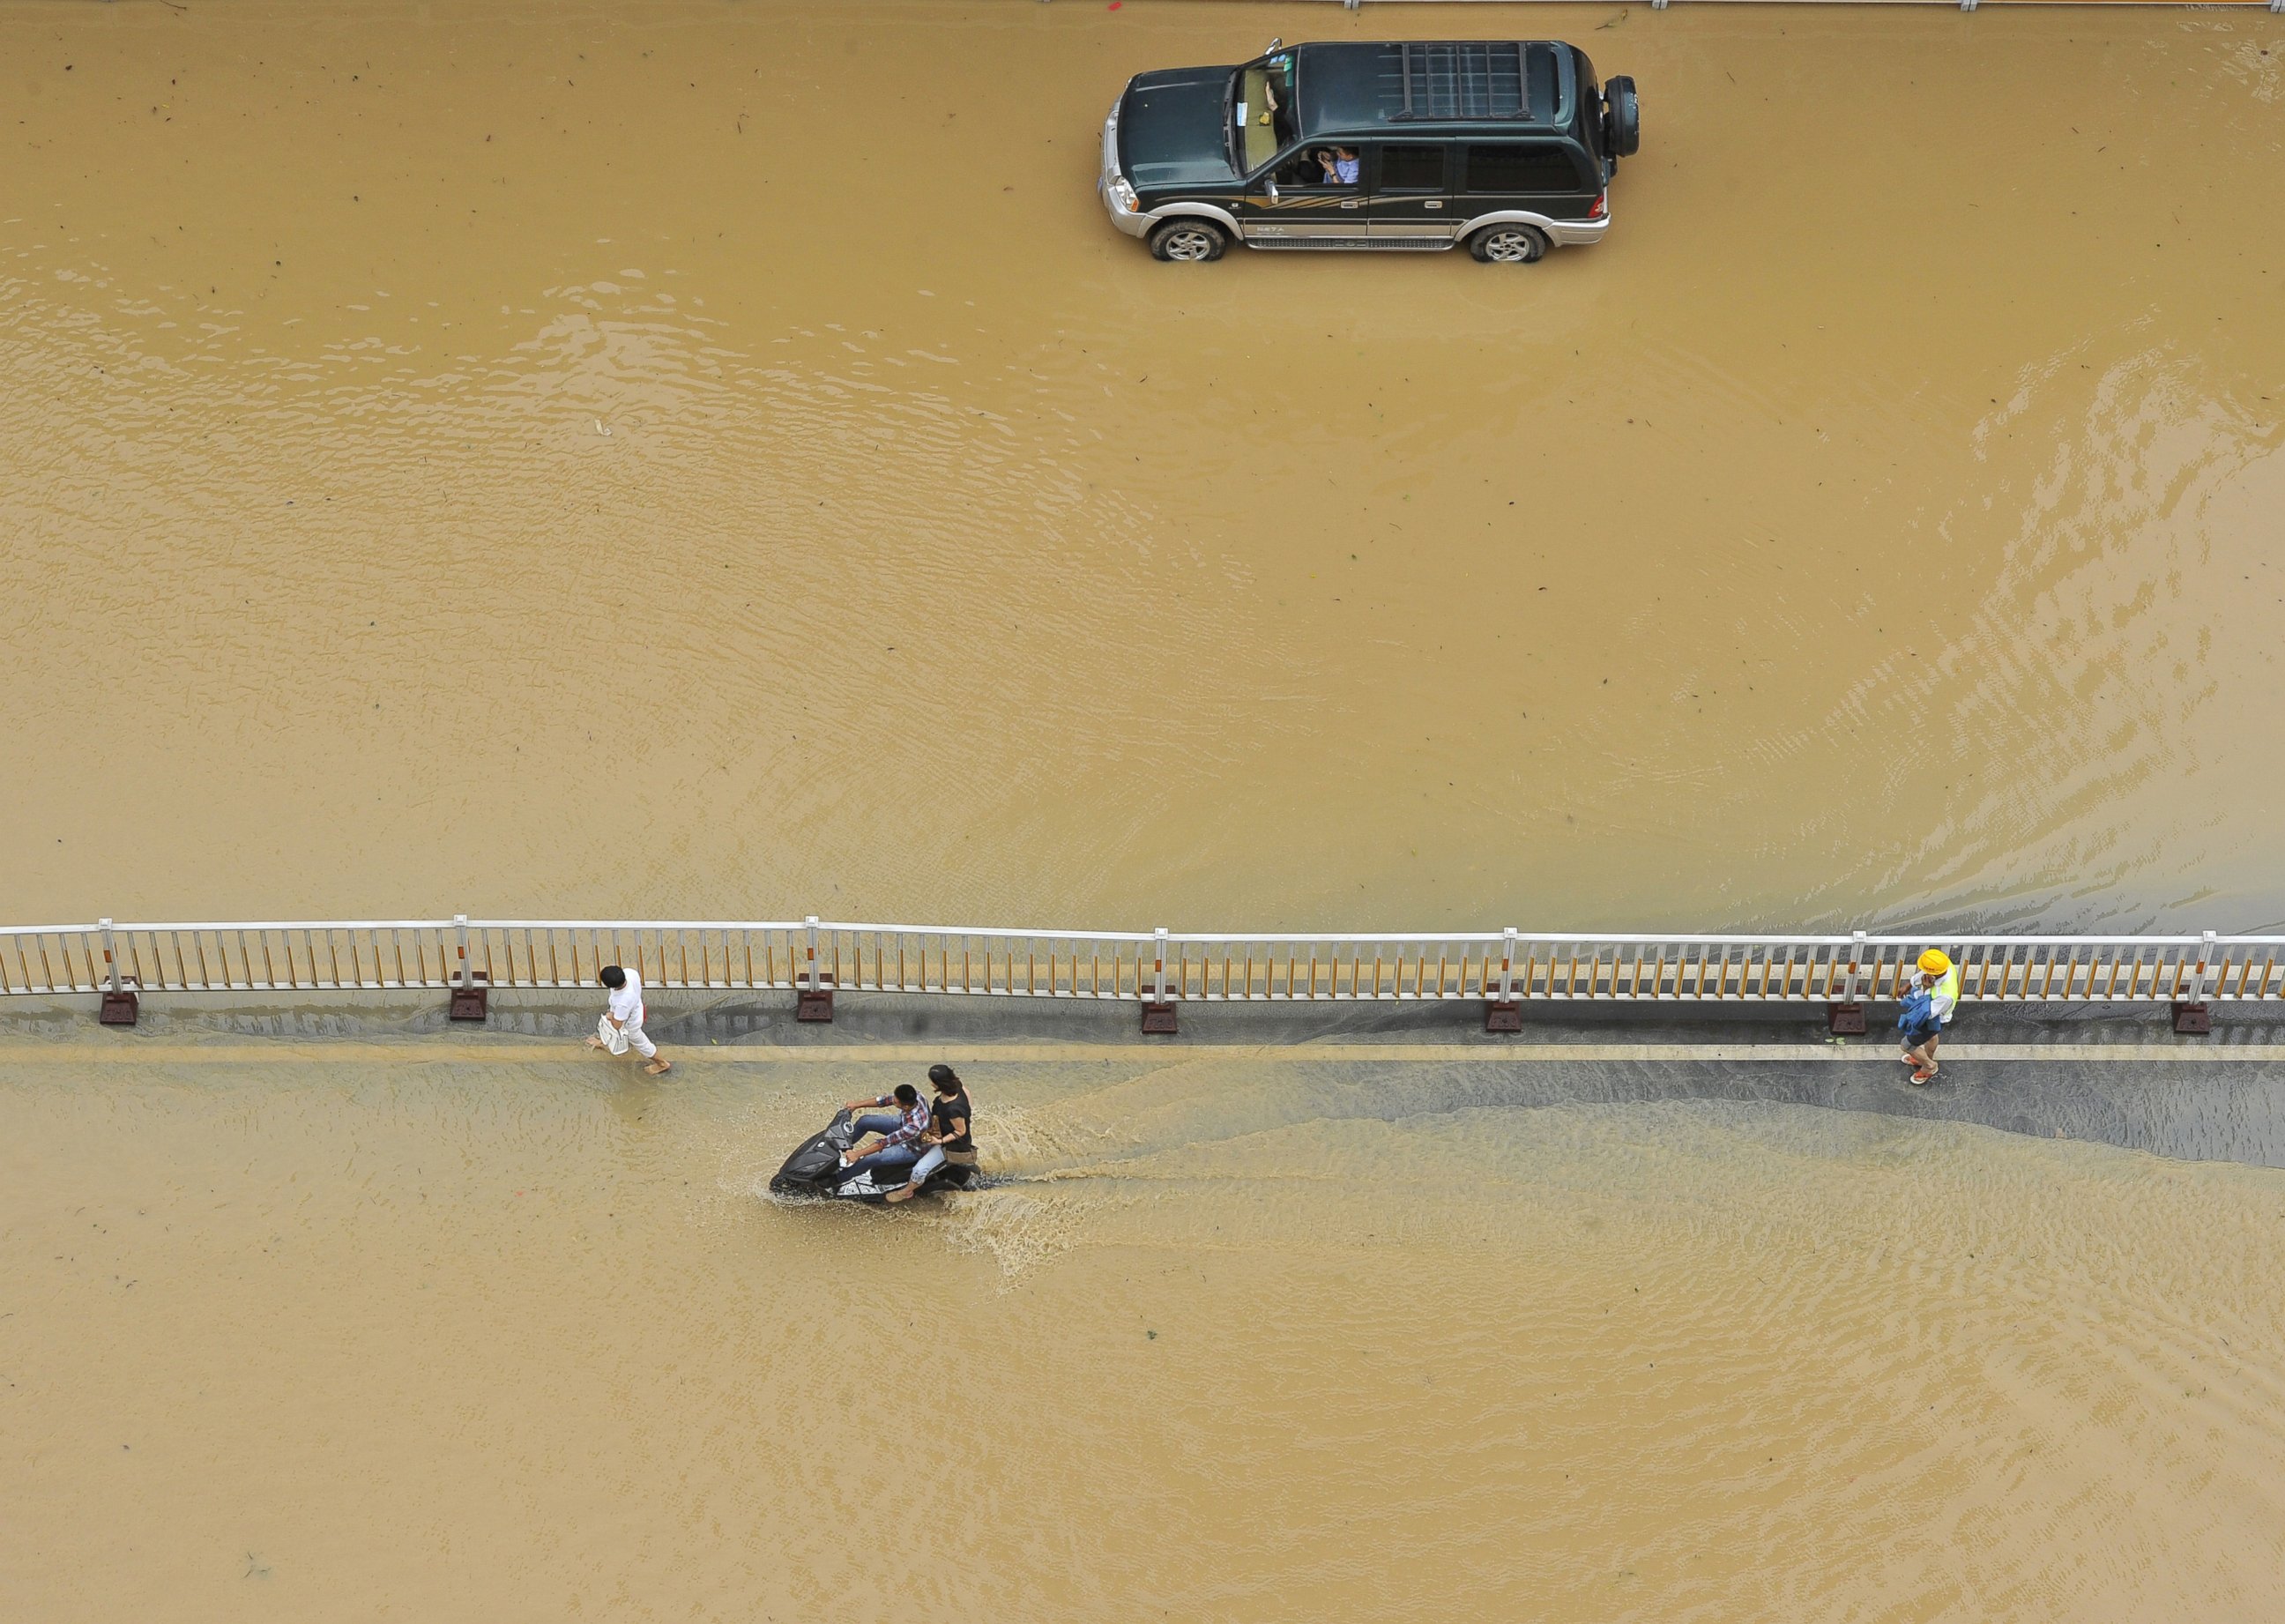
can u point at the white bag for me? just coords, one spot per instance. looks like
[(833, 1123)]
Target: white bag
[(615, 1038)]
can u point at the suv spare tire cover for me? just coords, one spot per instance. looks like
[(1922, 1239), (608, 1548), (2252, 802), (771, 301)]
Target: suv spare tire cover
[(1622, 118)]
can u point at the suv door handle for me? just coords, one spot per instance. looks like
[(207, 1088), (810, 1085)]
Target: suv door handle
[(1432, 203), (1349, 203)]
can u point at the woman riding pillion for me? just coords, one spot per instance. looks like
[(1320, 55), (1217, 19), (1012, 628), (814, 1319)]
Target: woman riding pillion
[(947, 1139)]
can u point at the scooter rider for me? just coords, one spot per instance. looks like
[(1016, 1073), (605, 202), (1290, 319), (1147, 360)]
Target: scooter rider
[(900, 1134), (947, 1139)]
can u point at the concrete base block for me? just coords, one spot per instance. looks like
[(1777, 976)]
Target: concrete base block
[(1500, 1016), (1845, 1020), (1159, 1018), (472, 1002), (2192, 1020), (119, 1009)]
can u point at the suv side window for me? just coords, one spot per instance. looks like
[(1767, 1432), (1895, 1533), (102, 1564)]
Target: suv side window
[(1412, 165), (1320, 166), (1525, 168)]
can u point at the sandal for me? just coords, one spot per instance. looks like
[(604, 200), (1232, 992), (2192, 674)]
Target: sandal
[(1922, 1079)]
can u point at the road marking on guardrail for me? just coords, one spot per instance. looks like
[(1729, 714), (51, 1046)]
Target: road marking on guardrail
[(528, 1051)]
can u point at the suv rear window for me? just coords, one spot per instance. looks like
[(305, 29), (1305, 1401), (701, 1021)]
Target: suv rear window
[(1408, 166), (1521, 167)]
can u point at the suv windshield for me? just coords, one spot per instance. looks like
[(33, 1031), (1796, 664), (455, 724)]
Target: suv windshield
[(1262, 114)]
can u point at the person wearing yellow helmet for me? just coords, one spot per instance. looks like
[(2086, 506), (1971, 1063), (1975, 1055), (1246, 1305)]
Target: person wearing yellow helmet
[(1939, 978)]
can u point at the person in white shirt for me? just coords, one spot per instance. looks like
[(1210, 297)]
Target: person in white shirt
[(1339, 164), (622, 1027)]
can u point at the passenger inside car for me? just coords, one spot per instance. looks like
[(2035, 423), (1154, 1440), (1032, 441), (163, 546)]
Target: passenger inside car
[(1319, 166), (1301, 169)]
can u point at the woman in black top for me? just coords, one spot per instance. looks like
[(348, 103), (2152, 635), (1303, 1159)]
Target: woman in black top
[(948, 1138)]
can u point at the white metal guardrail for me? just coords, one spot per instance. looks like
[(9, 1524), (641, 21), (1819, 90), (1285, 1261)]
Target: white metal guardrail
[(1159, 969)]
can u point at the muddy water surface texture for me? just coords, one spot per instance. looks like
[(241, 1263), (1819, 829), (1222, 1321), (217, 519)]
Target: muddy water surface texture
[(314, 1341), (714, 460)]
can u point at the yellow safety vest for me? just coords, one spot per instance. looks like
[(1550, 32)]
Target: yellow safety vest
[(1947, 988)]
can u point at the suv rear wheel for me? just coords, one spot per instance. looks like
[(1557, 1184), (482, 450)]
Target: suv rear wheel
[(1508, 245), (1196, 241)]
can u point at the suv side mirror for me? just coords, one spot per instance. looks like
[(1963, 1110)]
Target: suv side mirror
[(1273, 45)]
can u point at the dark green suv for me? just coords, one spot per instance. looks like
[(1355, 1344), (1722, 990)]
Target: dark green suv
[(1506, 145)]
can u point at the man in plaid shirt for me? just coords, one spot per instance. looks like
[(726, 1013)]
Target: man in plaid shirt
[(900, 1134)]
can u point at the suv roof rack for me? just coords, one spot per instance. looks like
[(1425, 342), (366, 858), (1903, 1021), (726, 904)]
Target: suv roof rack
[(1466, 79)]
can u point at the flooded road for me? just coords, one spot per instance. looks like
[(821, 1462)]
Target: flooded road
[(313, 1341), (713, 459)]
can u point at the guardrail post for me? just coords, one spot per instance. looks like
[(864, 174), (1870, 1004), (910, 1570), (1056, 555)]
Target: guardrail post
[(1157, 1012), (471, 994), (812, 999), (120, 1005), (1846, 1019), (1504, 1014), (2192, 1018)]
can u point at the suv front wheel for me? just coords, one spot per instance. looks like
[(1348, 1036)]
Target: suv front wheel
[(1508, 245), (1196, 241)]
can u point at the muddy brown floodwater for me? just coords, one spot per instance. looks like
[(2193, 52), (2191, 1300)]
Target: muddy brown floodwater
[(713, 459), (301, 1338)]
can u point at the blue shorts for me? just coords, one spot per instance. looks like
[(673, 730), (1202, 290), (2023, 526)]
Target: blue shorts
[(1922, 1034)]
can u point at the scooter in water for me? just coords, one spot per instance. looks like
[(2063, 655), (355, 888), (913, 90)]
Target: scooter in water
[(815, 1169)]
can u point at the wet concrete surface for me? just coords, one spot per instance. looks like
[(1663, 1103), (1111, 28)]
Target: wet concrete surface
[(2117, 1078), (2196, 1111)]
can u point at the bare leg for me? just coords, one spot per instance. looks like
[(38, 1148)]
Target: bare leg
[(639, 1041)]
